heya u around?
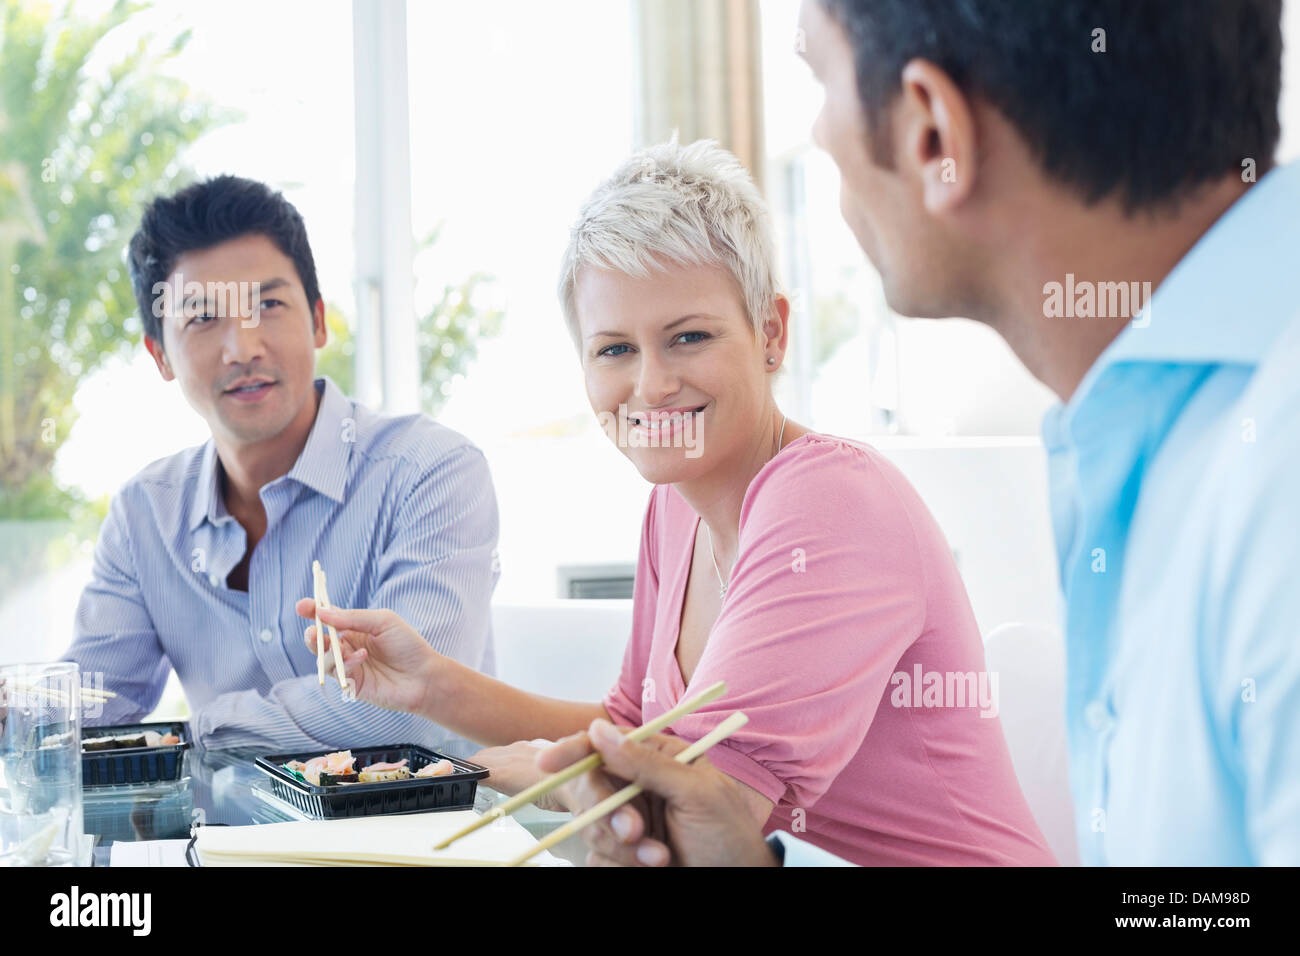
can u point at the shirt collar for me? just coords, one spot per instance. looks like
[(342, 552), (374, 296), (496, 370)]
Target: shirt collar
[(1229, 297), (208, 503), (322, 465), (1224, 303)]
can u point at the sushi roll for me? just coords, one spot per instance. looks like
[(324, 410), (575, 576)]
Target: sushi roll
[(384, 776), (438, 769), (338, 764), (328, 779)]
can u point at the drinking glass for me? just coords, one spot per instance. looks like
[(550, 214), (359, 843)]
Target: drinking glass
[(40, 765)]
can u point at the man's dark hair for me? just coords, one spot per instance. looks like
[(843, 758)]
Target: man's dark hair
[(1185, 91), (206, 214)]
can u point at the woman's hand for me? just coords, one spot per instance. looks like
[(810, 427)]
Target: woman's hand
[(514, 769), (389, 664)]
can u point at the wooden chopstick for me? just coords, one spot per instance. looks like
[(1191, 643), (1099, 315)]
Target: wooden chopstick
[(614, 801), (334, 637), (54, 693), (589, 762), (320, 631), (323, 600)]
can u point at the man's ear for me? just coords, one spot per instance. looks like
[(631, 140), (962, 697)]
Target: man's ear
[(937, 140), (159, 358), (320, 333)]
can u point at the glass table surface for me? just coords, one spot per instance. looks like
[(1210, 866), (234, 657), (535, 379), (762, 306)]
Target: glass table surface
[(226, 787)]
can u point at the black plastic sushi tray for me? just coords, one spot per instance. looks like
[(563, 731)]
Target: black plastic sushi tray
[(128, 765), (452, 791)]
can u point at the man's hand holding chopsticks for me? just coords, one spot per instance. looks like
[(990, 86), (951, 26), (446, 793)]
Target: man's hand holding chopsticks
[(387, 662), (689, 815)]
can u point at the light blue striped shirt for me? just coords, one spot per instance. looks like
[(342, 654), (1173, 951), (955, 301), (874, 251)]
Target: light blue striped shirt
[(399, 510), (1175, 482)]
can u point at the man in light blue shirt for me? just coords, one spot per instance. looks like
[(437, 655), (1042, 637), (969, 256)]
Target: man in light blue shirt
[(1041, 168), (1177, 515), (204, 554), (1091, 151)]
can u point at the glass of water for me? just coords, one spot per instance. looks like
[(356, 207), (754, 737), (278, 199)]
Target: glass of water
[(40, 765)]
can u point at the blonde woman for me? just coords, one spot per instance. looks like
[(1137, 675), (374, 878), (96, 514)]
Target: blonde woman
[(800, 568)]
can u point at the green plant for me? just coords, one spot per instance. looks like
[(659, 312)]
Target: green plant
[(83, 146), (336, 358), (448, 337), (450, 332)]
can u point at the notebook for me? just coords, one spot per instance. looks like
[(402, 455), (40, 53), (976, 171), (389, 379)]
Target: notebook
[(388, 840)]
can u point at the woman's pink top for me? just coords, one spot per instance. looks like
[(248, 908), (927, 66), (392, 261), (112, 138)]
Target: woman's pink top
[(843, 603)]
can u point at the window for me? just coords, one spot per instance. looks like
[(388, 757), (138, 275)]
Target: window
[(209, 96), (500, 174), (514, 111)]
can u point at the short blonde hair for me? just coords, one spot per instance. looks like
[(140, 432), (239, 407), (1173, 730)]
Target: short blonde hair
[(693, 205)]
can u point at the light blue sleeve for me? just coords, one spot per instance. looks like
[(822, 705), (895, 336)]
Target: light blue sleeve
[(799, 853), (440, 569), (437, 572), (1251, 636), (114, 640)]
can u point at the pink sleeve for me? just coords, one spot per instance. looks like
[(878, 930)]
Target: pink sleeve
[(826, 596), (623, 702)]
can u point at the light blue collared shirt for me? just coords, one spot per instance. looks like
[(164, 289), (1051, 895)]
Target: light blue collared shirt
[(400, 512), (1175, 487)]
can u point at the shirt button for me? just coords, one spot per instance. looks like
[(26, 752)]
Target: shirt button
[(213, 580), (265, 635), (1097, 716)]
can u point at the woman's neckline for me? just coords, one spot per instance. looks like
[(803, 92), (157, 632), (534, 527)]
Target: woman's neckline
[(685, 572)]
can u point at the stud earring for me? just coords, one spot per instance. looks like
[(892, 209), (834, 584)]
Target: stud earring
[(770, 360)]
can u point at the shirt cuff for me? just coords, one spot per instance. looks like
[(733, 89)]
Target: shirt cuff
[(795, 852)]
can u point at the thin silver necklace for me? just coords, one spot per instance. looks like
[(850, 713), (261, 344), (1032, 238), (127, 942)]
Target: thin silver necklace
[(722, 585)]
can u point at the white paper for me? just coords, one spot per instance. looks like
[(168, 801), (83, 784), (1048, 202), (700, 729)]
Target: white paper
[(384, 839), (148, 853)]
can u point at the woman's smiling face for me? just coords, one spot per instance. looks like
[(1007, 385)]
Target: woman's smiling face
[(674, 369)]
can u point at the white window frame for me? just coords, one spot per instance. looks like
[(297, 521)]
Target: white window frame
[(386, 357)]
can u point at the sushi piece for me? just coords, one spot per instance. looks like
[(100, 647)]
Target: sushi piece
[(385, 772), (376, 767), (149, 738), (328, 779), (384, 776), (441, 768), (339, 763)]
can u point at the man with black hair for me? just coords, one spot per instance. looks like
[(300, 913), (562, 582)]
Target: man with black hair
[(1094, 180), (204, 554)]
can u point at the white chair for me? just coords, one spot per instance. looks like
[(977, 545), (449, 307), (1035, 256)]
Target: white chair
[(1029, 660), (567, 649), (573, 650)]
